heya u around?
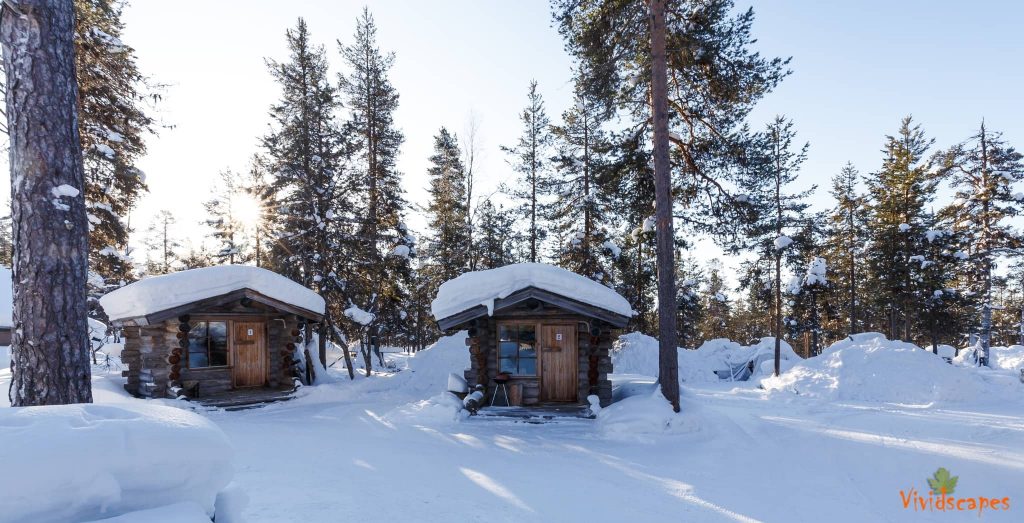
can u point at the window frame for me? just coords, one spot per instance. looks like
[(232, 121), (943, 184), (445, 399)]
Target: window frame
[(536, 348), (228, 326)]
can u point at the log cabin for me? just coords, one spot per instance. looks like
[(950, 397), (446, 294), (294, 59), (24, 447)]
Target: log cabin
[(225, 335), (544, 331)]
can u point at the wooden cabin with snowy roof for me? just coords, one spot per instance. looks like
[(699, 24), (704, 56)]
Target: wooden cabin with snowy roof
[(225, 336), (538, 334)]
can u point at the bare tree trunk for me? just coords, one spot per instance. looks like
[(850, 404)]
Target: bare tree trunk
[(668, 358), (778, 311), (50, 360)]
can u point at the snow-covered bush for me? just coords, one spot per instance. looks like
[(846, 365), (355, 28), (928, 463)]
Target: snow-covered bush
[(869, 367), (84, 462)]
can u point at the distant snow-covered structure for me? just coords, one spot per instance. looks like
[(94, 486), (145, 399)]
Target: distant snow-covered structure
[(539, 332), (225, 335)]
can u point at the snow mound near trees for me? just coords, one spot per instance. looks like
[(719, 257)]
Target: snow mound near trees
[(85, 462), (426, 375), (637, 353), (645, 414), (483, 287), (869, 367), (1003, 358)]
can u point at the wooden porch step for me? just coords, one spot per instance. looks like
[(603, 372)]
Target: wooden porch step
[(245, 398), (538, 414)]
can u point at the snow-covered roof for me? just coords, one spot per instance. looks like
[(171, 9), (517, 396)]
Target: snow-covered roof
[(484, 287), (6, 297), (160, 293)]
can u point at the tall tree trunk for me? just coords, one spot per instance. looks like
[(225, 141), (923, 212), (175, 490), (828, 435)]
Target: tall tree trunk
[(668, 357), (778, 311), (50, 363)]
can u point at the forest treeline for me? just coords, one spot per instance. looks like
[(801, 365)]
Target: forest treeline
[(923, 248)]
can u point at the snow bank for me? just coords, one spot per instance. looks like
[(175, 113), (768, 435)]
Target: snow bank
[(159, 293), (483, 287), (176, 513), (442, 408), (87, 461), (868, 367), (637, 353), (645, 414)]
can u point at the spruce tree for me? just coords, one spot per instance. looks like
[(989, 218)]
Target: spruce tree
[(983, 171), (529, 158), (379, 279), (578, 187), (306, 155), (846, 235), (447, 248), (497, 240), (113, 122), (223, 218), (161, 245), (900, 193)]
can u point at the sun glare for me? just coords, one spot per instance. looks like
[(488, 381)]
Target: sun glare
[(248, 210)]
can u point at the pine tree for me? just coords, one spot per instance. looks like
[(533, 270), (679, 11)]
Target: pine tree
[(579, 192), (6, 241), (900, 192), (983, 172), (778, 214), (846, 235), (447, 248), (378, 279), (715, 80), (161, 255), (496, 236), (50, 340), (306, 157), (529, 158), (113, 121)]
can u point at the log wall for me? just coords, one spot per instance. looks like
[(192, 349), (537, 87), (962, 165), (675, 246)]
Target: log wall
[(155, 357), (594, 362)]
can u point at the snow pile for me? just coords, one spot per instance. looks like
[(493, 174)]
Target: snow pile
[(782, 242), (160, 293), (1007, 358), (868, 367), (484, 287), (645, 414), (442, 408), (714, 360), (87, 461), (428, 373)]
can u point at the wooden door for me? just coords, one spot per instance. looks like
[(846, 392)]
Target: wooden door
[(249, 348), (558, 352)]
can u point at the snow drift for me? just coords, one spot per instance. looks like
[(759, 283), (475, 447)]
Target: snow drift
[(84, 462), (159, 293), (869, 367), (645, 414), (714, 360), (483, 287)]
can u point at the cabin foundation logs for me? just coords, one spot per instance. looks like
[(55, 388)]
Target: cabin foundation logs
[(174, 359), (290, 364), (478, 356)]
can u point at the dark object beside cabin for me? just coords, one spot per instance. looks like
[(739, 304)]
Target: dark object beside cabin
[(555, 348)]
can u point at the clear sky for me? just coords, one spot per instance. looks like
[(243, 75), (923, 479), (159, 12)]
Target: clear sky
[(858, 67)]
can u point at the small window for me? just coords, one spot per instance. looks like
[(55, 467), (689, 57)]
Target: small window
[(208, 344), (517, 350)]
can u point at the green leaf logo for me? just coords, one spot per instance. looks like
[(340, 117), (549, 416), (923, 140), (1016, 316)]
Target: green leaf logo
[(942, 480)]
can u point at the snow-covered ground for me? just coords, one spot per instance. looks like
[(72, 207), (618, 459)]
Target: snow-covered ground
[(390, 448)]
